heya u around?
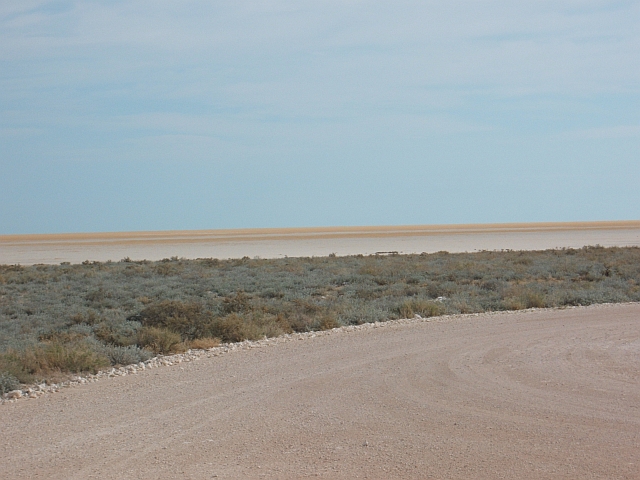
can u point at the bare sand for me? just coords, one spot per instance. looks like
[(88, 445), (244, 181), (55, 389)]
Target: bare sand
[(544, 394), (304, 242)]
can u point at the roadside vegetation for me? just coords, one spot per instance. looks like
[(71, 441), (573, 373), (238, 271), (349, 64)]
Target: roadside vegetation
[(61, 319)]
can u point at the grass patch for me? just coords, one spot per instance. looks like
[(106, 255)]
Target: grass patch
[(52, 358), (424, 308), (204, 343)]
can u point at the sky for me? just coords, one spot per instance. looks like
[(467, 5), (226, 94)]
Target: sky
[(169, 115)]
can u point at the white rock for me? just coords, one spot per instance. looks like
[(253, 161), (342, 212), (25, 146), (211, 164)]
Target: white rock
[(14, 394)]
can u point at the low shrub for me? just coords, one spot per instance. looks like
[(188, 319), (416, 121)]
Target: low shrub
[(300, 322), (513, 303), (128, 355), (424, 308), (237, 303), (114, 334), (187, 319), (61, 357), (160, 341), (270, 325), (54, 357), (521, 297), (328, 322), (534, 300), (8, 382), (234, 328), (11, 364)]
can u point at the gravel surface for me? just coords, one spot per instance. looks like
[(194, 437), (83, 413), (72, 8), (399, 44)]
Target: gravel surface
[(536, 394)]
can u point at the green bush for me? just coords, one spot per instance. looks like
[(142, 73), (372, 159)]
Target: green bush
[(128, 355), (8, 383)]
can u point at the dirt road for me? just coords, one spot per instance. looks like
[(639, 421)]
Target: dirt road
[(543, 394)]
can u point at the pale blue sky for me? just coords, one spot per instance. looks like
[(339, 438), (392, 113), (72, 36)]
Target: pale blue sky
[(156, 115)]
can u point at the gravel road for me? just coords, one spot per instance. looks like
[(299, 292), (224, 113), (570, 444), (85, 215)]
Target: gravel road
[(541, 394)]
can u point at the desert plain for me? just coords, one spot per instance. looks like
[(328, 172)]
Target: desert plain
[(308, 242), (543, 393)]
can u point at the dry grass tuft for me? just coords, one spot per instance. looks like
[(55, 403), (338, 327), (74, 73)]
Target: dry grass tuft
[(204, 343), (160, 340)]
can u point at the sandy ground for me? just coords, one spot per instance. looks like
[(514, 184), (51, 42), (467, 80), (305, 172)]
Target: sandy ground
[(275, 243), (542, 394)]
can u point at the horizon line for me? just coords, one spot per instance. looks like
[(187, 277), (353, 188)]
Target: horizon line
[(239, 234)]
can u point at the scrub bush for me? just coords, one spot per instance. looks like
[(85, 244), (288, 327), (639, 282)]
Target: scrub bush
[(118, 355), (160, 340), (189, 320), (424, 308), (8, 382), (63, 318), (54, 357)]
